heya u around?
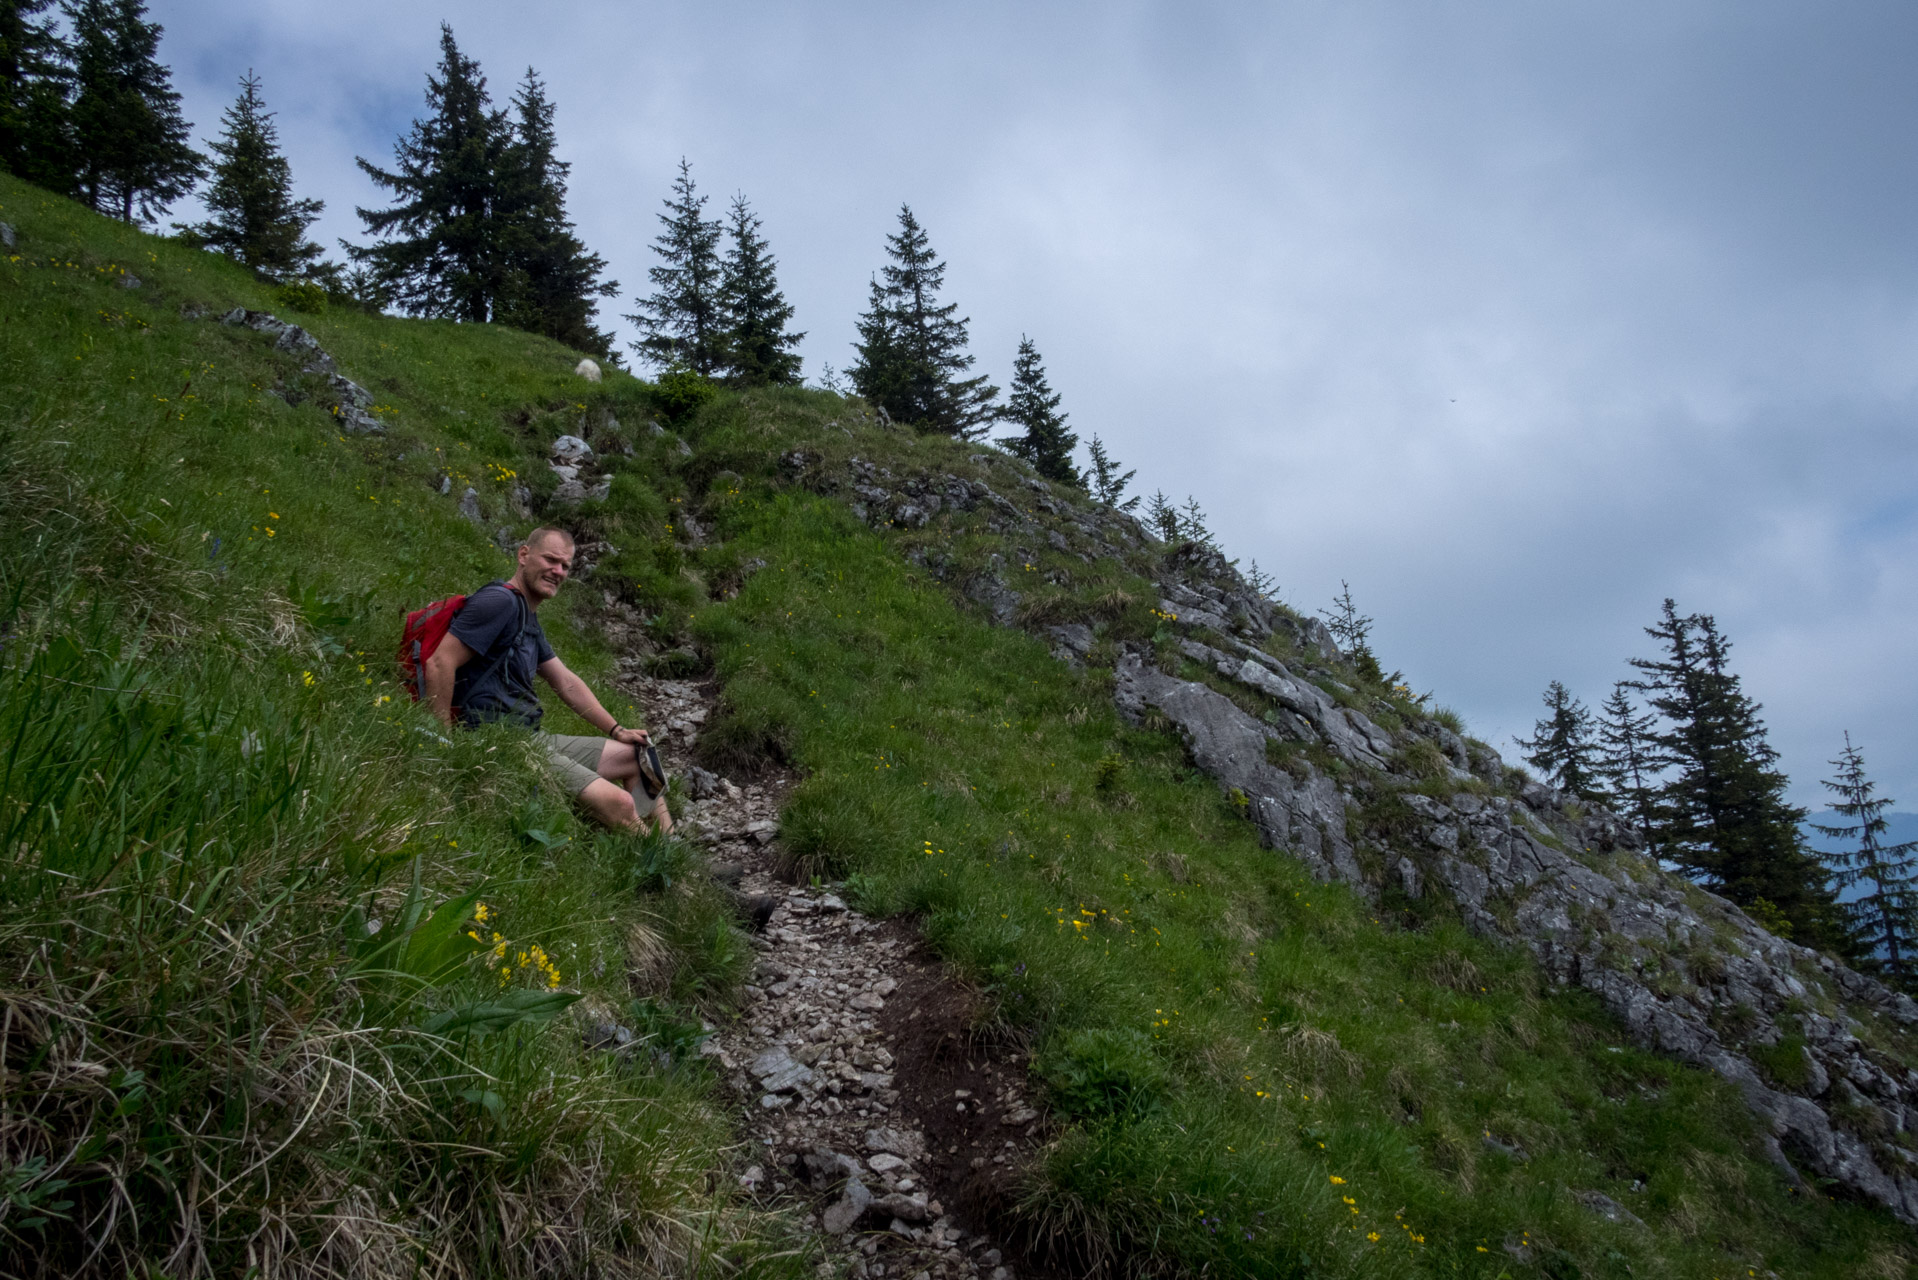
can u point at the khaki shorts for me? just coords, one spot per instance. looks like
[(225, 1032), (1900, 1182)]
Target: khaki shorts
[(574, 758)]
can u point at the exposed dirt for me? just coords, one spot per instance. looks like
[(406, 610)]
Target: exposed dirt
[(867, 1102)]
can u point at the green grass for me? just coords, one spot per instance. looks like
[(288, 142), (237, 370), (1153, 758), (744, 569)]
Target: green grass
[(1251, 1073), (210, 791)]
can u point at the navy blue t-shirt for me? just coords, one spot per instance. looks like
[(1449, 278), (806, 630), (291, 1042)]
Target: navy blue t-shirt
[(497, 683)]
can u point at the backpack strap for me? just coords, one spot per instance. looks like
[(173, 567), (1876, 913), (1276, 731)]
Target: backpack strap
[(502, 651)]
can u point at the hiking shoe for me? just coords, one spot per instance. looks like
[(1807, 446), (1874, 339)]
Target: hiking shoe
[(652, 774), (726, 872)]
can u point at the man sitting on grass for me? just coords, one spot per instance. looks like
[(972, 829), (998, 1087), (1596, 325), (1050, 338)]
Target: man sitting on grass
[(485, 667)]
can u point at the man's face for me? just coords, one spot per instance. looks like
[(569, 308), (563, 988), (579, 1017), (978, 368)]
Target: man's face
[(544, 566)]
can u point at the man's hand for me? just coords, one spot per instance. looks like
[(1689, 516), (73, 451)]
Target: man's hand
[(631, 737)]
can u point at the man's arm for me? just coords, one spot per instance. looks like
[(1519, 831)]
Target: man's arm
[(574, 693), (441, 669)]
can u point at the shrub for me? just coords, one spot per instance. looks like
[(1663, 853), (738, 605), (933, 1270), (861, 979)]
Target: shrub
[(301, 295), (681, 393)]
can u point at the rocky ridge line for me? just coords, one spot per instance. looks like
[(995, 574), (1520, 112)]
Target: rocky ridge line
[(1686, 971)]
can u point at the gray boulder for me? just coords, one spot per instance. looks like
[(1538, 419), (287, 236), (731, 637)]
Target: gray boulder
[(999, 600), (1072, 641), (351, 405), (306, 347), (571, 449)]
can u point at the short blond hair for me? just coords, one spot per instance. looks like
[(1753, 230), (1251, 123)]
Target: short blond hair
[(546, 531)]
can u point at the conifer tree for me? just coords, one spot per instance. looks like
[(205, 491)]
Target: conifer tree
[(551, 281), (128, 133), (1884, 921), (1348, 626), (1262, 583), (1726, 818), (1034, 405), (1561, 745), (1192, 522), (912, 349), (1108, 482), (1630, 761), (1162, 517), (1353, 631), (759, 349), (254, 217), (442, 250), (881, 371), (684, 322), (830, 379), (36, 131)]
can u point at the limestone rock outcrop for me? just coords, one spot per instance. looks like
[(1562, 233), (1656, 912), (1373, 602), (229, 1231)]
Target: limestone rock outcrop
[(1686, 971), (350, 404)]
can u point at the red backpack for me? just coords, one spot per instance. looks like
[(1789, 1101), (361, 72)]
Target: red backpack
[(424, 630)]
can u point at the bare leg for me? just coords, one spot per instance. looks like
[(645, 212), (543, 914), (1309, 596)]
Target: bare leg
[(611, 805), (619, 764)]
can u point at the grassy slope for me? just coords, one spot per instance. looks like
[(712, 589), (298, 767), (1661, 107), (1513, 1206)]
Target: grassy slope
[(1255, 1074), (207, 777), (1262, 1073)]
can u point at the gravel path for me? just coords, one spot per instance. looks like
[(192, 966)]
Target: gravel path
[(867, 1103)]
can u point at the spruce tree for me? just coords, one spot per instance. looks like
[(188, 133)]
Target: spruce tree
[(759, 349), (1263, 584), (254, 217), (443, 247), (684, 322), (1561, 746), (1353, 631), (1108, 482), (830, 379), (551, 282), (1034, 405), (1726, 818), (1192, 522), (1630, 761), (881, 372), (1162, 517), (128, 133), (36, 129), (1348, 626), (1884, 922), (912, 349)]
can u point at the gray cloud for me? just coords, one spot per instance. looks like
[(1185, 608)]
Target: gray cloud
[(1521, 318)]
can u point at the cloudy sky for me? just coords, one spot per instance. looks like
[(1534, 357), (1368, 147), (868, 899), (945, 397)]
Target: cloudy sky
[(1518, 317)]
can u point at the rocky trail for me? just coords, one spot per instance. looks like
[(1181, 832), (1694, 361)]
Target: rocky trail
[(867, 1104)]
